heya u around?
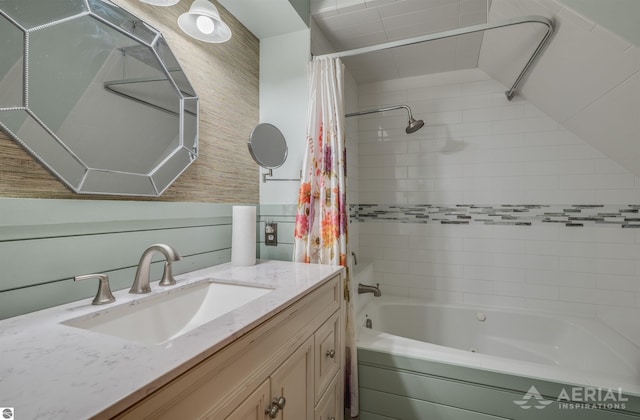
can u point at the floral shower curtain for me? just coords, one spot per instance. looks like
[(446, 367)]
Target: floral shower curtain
[(322, 218)]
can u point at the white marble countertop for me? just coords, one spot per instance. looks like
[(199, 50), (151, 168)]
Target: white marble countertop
[(49, 370)]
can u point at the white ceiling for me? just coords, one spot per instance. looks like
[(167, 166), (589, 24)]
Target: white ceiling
[(349, 24), (265, 18)]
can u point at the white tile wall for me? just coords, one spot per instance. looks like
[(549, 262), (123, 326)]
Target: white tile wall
[(489, 154), (500, 153), (537, 267), (353, 157)]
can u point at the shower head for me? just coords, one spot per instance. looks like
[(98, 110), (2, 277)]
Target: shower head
[(414, 125)]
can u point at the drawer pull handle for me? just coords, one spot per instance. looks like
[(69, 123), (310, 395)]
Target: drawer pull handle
[(331, 418), (272, 411), (276, 405), (331, 354)]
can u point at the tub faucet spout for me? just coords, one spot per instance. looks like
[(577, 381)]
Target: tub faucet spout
[(365, 288), (142, 279)]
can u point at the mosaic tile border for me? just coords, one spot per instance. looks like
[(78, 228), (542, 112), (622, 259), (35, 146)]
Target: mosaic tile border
[(574, 215)]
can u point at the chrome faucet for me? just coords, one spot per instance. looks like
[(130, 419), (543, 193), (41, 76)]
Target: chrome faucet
[(365, 288), (104, 294), (141, 282)]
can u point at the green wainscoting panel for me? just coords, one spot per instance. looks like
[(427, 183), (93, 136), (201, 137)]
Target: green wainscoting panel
[(29, 299), (438, 390), (63, 257), (88, 228), (515, 383), (282, 252), (20, 213), (285, 231), (417, 384), (285, 217), (277, 210), (472, 397), (44, 243), (404, 408)]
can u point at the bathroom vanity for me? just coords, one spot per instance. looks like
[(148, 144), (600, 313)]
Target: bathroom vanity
[(278, 356)]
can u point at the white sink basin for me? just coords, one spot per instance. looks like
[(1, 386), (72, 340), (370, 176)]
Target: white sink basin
[(164, 317)]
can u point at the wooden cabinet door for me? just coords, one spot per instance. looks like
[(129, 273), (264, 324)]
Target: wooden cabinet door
[(330, 405), (293, 380), (328, 353), (253, 407)]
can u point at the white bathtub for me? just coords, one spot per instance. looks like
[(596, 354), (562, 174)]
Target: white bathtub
[(558, 348)]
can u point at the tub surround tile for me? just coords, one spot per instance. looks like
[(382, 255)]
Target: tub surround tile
[(494, 300), (436, 296), (547, 265), (571, 249), (571, 215), (77, 373)]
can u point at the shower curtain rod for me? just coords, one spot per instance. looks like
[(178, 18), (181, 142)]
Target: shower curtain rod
[(462, 31)]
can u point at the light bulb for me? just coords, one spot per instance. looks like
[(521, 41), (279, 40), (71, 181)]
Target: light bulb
[(205, 24)]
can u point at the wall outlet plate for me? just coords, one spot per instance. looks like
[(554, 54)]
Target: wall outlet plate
[(271, 234)]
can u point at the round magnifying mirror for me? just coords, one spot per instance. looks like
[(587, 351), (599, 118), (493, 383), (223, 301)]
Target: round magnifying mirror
[(267, 146)]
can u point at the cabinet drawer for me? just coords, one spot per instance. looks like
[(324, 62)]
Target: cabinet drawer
[(330, 405), (328, 353)]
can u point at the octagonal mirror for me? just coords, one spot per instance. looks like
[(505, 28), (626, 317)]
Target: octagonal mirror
[(96, 95)]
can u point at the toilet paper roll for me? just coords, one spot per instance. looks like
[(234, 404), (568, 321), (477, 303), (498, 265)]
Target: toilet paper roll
[(243, 236)]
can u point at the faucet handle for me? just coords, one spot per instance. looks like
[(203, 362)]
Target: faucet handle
[(104, 295), (167, 275)]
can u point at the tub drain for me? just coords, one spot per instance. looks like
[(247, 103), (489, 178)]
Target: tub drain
[(473, 350)]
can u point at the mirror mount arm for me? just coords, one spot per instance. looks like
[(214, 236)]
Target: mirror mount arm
[(270, 177)]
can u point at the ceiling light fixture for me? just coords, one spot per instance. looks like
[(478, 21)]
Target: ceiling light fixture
[(203, 22)]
